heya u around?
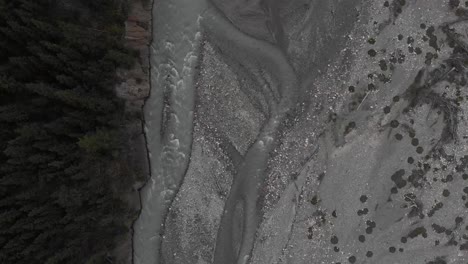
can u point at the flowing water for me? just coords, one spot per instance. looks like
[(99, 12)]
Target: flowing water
[(306, 131)]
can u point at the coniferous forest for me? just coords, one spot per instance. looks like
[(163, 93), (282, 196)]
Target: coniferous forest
[(61, 123)]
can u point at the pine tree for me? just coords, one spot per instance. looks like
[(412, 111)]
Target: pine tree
[(59, 121)]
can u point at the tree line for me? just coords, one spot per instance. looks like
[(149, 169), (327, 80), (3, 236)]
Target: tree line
[(61, 178)]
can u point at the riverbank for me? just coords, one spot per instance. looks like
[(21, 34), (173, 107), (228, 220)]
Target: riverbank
[(134, 89)]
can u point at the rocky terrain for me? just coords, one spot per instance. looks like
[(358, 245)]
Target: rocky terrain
[(306, 132)]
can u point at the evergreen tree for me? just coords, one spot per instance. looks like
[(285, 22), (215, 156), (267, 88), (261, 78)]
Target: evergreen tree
[(60, 128)]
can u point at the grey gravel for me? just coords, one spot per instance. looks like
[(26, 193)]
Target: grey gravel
[(307, 131)]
